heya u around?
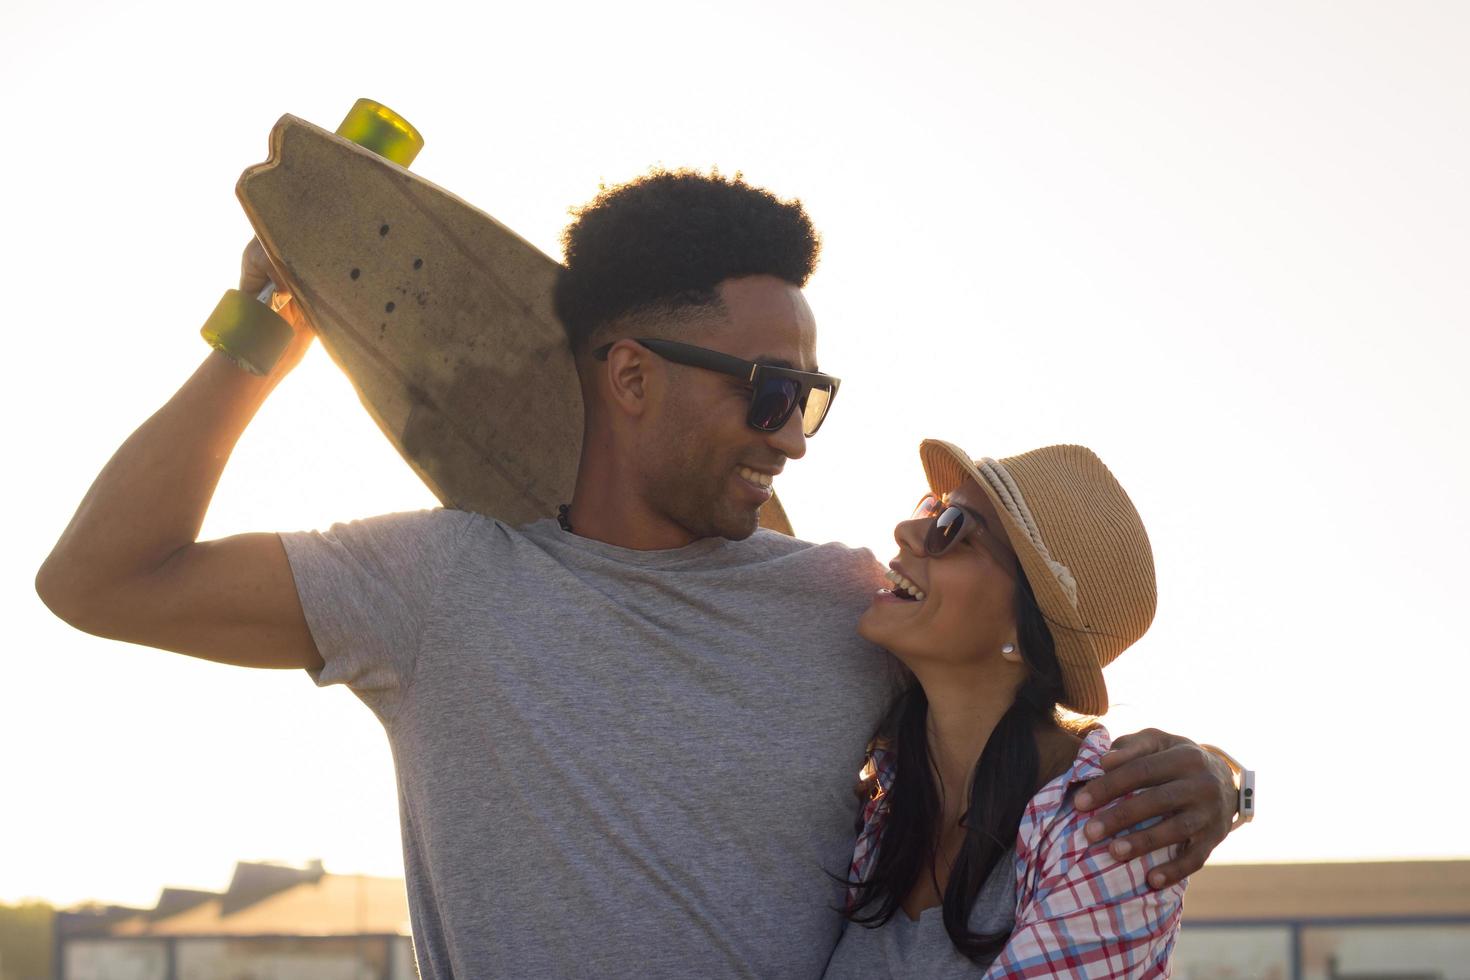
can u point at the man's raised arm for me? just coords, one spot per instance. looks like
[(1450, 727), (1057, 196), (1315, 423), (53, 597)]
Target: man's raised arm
[(129, 567)]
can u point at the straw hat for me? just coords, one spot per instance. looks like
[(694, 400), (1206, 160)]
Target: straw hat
[(1081, 544)]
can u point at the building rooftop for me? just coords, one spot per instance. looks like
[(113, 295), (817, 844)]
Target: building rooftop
[(1330, 890), (265, 899)]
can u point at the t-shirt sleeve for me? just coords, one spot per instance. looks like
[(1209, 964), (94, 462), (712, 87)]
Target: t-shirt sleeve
[(366, 588), (1082, 913), (850, 576)]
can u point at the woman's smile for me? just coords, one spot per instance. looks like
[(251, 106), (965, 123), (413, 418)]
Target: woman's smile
[(903, 586)]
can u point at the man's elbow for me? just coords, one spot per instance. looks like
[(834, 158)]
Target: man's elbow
[(66, 594), (50, 586)]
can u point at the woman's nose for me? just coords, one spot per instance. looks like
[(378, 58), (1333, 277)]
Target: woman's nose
[(910, 534)]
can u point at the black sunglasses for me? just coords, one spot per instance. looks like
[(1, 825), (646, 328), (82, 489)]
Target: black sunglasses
[(953, 524), (775, 392)]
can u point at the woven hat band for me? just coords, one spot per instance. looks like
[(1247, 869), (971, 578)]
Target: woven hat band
[(1009, 492)]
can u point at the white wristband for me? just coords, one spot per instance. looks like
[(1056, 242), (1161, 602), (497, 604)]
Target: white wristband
[(1245, 785)]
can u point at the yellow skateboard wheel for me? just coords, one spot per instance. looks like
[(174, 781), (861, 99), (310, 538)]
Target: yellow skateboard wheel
[(248, 332), (380, 129)]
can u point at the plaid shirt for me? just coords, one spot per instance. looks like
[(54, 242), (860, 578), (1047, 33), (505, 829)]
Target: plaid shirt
[(1079, 912)]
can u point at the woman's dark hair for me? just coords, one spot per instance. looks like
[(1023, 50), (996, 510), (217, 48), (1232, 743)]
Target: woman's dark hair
[(668, 239), (1005, 780)]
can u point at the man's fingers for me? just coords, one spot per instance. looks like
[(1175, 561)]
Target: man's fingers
[(1188, 830), (1179, 829), (1181, 761), (1160, 802), (254, 270), (1137, 774), (1188, 861), (1131, 747)]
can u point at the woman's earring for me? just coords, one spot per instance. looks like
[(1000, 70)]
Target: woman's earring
[(1008, 648)]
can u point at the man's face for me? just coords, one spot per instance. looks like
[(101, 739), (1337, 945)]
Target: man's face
[(706, 466)]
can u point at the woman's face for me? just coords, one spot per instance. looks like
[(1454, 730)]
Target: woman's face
[(965, 612)]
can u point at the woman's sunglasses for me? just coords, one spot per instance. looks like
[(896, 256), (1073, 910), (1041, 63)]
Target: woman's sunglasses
[(775, 392), (953, 524)]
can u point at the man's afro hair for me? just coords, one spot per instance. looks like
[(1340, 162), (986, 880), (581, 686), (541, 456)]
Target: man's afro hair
[(670, 237)]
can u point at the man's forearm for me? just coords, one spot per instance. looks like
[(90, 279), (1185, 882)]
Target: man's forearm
[(151, 497)]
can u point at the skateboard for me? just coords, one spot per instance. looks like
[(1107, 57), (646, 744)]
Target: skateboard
[(440, 316)]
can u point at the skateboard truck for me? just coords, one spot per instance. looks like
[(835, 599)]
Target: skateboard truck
[(248, 329)]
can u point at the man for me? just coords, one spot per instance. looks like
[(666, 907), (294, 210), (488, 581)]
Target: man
[(625, 743)]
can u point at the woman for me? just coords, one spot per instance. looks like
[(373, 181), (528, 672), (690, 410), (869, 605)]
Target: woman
[(1015, 583)]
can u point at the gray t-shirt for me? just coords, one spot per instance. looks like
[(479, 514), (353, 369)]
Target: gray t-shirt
[(921, 948), (609, 762)]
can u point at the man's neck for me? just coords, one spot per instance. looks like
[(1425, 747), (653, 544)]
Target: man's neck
[(603, 508)]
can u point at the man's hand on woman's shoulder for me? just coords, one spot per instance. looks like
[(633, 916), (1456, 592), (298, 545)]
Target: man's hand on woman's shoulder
[(1191, 791)]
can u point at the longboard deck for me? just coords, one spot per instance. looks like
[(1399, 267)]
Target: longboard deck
[(440, 316)]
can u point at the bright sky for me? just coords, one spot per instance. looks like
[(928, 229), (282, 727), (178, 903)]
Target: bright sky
[(1223, 245)]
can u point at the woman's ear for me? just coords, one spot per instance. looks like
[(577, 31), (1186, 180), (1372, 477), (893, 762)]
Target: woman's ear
[(1011, 652)]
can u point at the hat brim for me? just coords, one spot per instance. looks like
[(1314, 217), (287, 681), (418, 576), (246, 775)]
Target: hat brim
[(947, 467)]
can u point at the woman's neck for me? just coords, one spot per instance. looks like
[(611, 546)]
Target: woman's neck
[(965, 706), (964, 709)]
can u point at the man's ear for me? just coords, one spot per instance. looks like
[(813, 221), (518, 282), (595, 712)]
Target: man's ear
[(629, 370)]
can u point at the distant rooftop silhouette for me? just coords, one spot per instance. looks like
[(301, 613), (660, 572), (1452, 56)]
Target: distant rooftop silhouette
[(262, 899)]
